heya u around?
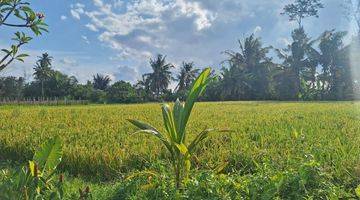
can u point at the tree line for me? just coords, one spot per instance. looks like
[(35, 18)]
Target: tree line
[(307, 69)]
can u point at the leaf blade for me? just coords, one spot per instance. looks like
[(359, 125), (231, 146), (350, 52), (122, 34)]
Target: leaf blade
[(49, 156)]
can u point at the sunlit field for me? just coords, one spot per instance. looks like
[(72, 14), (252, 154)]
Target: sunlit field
[(266, 138)]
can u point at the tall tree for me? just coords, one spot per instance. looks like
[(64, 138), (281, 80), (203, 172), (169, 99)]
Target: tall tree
[(143, 84), (296, 66), (18, 14), (301, 9), (300, 70), (43, 70), (186, 76), (143, 88), (160, 78), (335, 77), (101, 82), (249, 72)]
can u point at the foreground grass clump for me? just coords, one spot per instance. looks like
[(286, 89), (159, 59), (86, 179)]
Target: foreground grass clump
[(279, 136)]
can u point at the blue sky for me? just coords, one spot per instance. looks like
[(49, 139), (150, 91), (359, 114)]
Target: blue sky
[(117, 37)]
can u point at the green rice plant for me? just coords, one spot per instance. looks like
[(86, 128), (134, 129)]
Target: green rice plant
[(263, 133), (175, 121)]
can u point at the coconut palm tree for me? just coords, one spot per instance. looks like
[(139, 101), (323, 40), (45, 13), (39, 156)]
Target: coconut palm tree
[(248, 76), (43, 70), (101, 82), (333, 59), (160, 78), (296, 63), (186, 77)]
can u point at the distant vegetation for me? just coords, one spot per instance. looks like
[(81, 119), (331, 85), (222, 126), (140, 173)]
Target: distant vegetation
[(307, 69)]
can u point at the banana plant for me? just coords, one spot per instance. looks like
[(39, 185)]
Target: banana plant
[(36, 181), (175, 122)]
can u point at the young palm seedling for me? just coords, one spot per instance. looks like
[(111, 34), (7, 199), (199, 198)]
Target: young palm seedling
[(175, 121)]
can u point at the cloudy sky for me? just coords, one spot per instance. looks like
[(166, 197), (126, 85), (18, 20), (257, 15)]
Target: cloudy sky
[(117, 37)]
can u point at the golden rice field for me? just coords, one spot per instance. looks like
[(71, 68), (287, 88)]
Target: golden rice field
[(98, 141)]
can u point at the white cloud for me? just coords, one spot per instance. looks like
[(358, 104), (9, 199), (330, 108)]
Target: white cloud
[(145, 39), (63, 17), (75, 14), (203, 18), (149, 22), (76, 10), (118, 3), (98, 3), (127, 74), (85, 39), (257, 30), (92, 27), (69, 61)]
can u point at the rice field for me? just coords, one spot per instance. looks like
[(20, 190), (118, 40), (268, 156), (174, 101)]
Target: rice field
[(98, 141)]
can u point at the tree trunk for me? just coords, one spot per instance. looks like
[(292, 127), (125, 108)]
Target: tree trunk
[(42, 89)]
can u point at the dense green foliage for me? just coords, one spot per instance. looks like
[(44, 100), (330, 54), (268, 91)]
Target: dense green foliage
[(269, 144), (36, 181)]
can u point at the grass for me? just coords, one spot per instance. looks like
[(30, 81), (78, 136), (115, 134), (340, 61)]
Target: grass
[(265, 135)]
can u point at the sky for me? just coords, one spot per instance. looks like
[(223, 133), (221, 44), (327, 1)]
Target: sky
[(118, 37)]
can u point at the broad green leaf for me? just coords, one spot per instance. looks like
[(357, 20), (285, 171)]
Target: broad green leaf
[(14, 49), (169, 122), (5, 9), (357, 191), (43, 29), (18, 34), (26, 9), (177, 113), (22, 55), (49, 155), (35, 29), (32, 167), (198, 87), (142, 125), (18, 15), (20, 59), (152, 132), (182, 148), (6, 51)]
